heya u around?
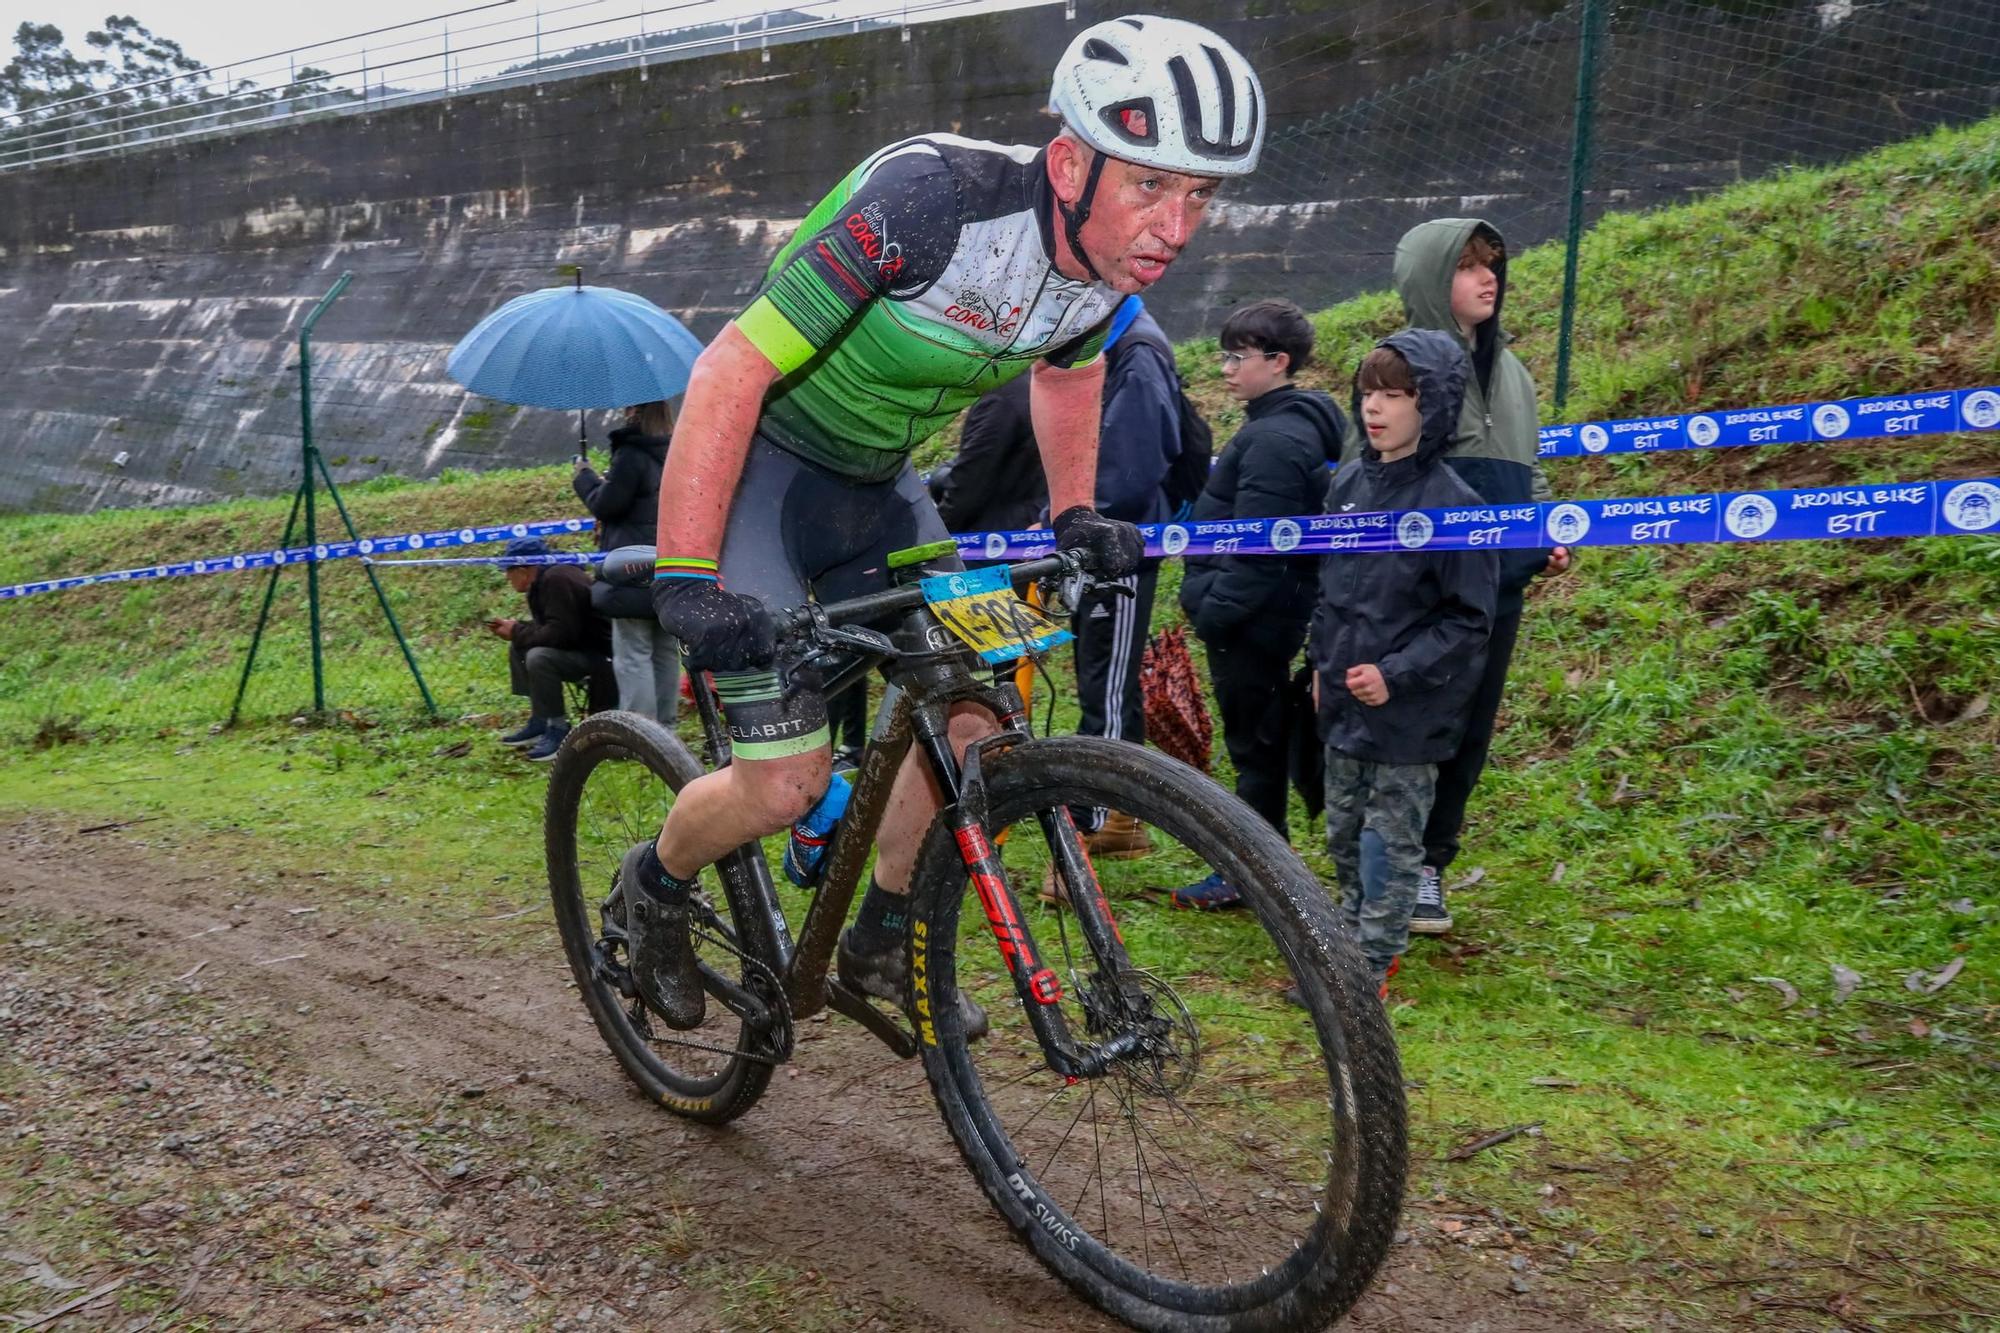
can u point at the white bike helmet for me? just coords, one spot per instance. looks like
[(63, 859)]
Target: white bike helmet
[(1163, 93)]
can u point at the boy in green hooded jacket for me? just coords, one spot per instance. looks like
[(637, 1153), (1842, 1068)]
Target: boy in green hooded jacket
[(1452, 276)]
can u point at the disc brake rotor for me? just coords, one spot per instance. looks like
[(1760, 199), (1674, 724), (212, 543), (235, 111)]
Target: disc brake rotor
[(1167, 1058)]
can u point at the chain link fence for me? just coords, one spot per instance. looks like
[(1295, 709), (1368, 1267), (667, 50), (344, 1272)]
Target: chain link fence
[(1616, 104), (1540, 125)]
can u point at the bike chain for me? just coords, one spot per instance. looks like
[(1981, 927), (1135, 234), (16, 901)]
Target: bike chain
[(775, 1046)]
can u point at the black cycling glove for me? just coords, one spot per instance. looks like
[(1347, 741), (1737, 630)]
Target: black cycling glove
[(719, 630), (1112, 547)]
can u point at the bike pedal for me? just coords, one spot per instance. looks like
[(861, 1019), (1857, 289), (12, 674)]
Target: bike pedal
[(892, 1034)]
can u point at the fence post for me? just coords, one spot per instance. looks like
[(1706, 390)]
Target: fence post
[(310, 454), (1579, 182)]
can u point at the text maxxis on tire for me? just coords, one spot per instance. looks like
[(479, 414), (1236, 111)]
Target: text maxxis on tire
[(1360, 1199)]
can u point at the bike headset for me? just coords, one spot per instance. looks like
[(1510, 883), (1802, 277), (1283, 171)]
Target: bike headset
[(1157, 92)]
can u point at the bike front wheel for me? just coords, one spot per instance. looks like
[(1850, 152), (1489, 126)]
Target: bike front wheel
[(1245, 1168)]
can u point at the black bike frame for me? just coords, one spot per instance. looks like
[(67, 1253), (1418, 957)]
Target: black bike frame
[(933, 673)]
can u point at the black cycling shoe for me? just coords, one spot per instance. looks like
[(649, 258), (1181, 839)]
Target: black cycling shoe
[(659, 952), (886, 976)]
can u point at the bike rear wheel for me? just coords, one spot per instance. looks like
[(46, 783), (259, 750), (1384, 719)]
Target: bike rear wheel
[(611, 786), (1246, 1171)]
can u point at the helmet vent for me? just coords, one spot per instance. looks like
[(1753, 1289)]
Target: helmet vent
[(1123, 118)]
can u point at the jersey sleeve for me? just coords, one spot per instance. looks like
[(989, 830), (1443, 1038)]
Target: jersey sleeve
[(891, 238), (1083, 349)]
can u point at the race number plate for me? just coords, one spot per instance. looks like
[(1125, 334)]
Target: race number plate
[(982, 608)]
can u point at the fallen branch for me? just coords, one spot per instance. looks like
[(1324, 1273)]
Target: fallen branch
[(87, 1298), (1493, 1140), (123, 823), (192, 972), (517, 1271), (269, 962), (509, 916), (437, 1182)]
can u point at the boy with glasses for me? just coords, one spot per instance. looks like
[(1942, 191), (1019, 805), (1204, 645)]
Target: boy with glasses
[(1251, 611)]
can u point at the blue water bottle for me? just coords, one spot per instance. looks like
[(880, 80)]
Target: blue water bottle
[(805, 850)]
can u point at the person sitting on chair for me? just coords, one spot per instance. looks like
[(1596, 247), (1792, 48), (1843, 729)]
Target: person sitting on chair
[(562, 640)]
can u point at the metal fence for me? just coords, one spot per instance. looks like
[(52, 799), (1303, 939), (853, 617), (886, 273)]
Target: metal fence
[(1612, 104), (478, 49)]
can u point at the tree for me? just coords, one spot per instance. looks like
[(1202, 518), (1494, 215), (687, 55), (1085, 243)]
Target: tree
[(141, 57), (43, 70)]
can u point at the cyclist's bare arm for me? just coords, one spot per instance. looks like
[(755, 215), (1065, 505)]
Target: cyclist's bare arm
[(725, 396), (1064, 405)]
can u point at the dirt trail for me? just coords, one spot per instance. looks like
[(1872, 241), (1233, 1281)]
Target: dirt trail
[(336, 1120)]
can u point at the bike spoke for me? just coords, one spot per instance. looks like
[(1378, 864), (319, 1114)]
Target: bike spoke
[(1074, 1121), (1212, 1102)]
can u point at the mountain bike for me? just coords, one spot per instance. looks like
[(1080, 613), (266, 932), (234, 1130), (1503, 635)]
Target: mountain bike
[(1170, 1135)]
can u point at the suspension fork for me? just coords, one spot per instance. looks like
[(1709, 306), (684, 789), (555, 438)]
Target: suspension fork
[(1036, 984)]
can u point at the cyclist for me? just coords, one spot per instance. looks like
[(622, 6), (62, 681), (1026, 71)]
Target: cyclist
[(939, 268)]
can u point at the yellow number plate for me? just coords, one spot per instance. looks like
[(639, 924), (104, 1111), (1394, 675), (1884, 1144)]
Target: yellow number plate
[(982, 609)]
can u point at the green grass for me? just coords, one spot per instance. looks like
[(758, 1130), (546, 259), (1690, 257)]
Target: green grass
[(1717, 766)]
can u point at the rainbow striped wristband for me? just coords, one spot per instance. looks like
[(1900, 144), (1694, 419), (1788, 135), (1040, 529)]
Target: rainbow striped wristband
[(682, 567)]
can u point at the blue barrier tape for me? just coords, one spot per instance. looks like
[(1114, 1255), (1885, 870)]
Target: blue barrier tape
[(1901, 509), (291, 555), (557, 558), (1938, 412)]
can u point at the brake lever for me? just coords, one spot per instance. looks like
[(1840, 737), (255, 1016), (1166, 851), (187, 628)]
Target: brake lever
[(853, 638), (1062, 595)]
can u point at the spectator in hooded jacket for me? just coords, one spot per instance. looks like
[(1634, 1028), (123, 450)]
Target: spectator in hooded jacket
[(1452, 276), (1251, 611), (625, 501), (1398, 640)]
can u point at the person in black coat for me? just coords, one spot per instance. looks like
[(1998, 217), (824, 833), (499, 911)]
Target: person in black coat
[(994, 483), (1400, 638), (1251, 612), (563, 639), (625, 501)]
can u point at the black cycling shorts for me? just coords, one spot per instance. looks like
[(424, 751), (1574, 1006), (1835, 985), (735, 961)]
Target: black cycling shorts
[(797, 529)]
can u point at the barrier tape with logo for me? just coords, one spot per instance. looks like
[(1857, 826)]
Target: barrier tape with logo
[(297, 555), (1899, 509), (1938, 412)]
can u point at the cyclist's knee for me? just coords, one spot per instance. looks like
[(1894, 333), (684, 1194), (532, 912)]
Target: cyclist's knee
[(777, 792), (969, 723)]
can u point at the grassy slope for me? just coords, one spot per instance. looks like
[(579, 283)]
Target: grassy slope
[(1718, 765)]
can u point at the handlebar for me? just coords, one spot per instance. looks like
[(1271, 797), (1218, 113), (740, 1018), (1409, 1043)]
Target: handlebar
[(881, 605)]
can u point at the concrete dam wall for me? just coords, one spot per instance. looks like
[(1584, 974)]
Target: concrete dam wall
[(150, 302)]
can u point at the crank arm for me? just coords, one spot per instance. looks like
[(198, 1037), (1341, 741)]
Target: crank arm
[(891, 1033), (735, 999)]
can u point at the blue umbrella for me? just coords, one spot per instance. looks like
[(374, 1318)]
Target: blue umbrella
[(576, 347)]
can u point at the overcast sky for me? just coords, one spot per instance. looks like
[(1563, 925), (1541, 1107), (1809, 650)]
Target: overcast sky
[(224, 31)]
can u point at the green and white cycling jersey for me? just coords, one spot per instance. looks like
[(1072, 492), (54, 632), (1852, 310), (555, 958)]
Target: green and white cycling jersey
[(923, 280)]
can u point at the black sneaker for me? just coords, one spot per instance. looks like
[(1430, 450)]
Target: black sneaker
[(886, 976), (527, 735), (659, 952), (1430, 916)]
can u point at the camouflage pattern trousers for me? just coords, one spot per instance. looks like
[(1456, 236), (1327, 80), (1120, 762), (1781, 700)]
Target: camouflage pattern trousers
[(1394, 801)]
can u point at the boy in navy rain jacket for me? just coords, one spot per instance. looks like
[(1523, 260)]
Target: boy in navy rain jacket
[(1399, 640)]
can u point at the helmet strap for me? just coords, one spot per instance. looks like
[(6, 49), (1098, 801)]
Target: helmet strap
[(1075, 215)]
